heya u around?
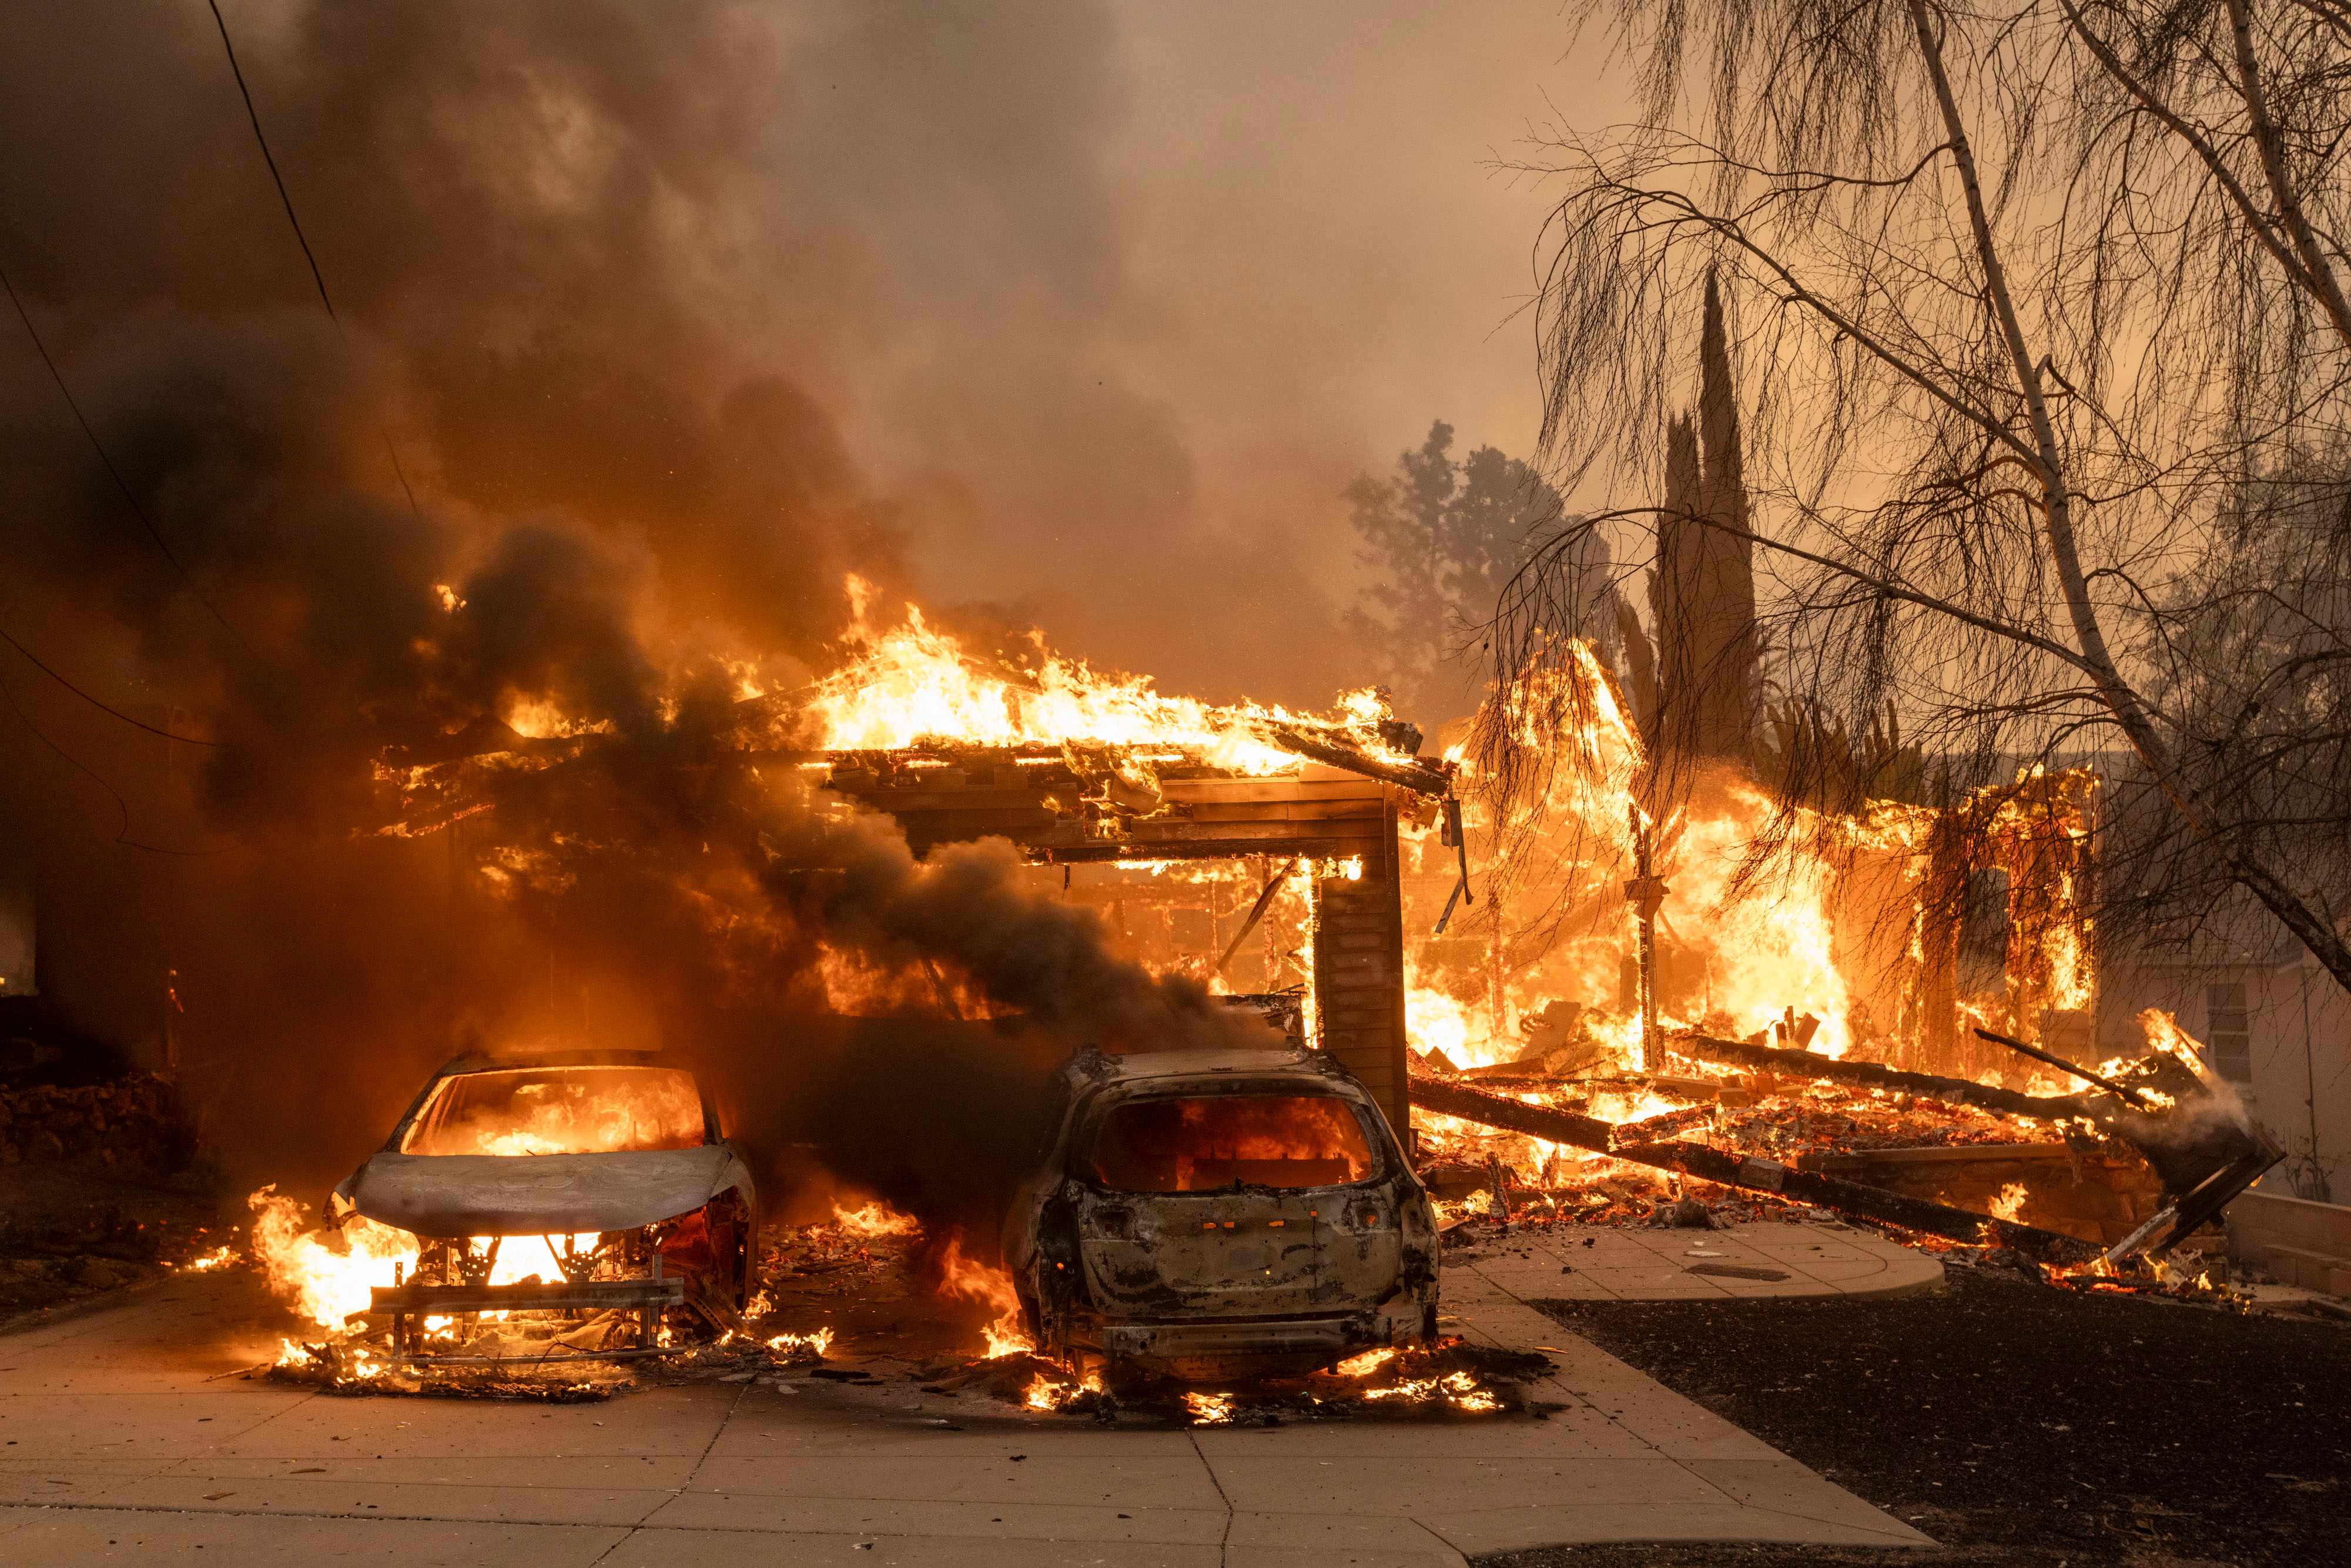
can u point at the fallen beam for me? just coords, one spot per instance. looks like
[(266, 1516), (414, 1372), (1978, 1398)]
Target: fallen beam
[(2200, 1144), (1749, 1172), (2119, 1091), (1513, 1116), (1874, 1075)]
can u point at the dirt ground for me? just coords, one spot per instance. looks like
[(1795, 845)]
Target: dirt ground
[(71, 1232), (2014, 1422)]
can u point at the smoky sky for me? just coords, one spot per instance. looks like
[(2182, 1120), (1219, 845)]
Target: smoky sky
[(650, 323)]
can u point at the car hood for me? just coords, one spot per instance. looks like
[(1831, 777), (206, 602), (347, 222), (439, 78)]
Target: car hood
[(539, 1194)]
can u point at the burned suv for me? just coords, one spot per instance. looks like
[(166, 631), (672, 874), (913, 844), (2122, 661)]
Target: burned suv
[(622, 1213), (1202, 1215)]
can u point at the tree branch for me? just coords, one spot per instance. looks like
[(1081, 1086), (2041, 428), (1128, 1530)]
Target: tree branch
[(2320, 272)]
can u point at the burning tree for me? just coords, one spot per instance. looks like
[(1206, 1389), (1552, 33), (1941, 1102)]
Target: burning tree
[(2041, 327)]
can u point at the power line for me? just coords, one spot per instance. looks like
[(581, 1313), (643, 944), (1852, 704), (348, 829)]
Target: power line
[(286, 199), (135, 724), (255, 115), (119, 483), (122, 807)]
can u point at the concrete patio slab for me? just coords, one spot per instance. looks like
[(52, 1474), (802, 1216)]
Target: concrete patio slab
[(1645, 1263)]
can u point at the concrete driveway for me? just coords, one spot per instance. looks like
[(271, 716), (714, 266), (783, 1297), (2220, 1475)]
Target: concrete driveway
[(133, 1434)]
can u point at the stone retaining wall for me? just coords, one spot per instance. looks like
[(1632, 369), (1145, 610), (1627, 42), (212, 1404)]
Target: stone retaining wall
[(130, 1122)]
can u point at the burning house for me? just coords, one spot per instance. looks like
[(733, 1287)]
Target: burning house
[(1565, 1001), (1548, 1039)]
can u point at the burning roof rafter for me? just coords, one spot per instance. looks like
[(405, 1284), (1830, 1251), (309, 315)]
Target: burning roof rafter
[(1070, 763)]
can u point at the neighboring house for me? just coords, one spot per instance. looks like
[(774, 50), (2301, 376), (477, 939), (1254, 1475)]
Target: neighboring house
[(2180, 936), (2273, 1024)]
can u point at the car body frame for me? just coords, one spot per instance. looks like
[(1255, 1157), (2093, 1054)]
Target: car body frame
[(1197, 1277), (662, 1232)]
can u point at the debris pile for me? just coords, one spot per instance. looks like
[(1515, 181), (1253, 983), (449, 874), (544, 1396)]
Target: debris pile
[(56, 1254), (2119, 1174), (129, 1122)]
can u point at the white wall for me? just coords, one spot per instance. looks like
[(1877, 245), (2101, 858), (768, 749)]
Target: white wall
[(2300, 1023)]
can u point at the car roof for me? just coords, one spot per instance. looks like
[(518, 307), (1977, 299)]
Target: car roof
[(1146, 1066), (508, 1060)]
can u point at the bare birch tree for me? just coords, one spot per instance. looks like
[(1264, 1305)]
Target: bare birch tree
[(2044, 362)]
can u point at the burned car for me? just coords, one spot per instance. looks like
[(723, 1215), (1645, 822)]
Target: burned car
[(603, 1173), (1200, 1214)]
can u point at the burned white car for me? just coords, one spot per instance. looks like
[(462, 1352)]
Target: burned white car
[(1203, 1215), (591, 1192)]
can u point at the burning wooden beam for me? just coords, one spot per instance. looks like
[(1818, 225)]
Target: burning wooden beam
[(1421, 778), (1875, 1076)]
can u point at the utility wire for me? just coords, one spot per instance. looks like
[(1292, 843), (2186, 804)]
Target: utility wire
[(133, 723), (122, 807), (286, 199), (119, 482), (255, 115)]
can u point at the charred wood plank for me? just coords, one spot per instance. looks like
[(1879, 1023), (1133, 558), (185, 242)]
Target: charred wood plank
[(1257, 911), (1651, 1128), (1513, 1116), (1875, 1075), (2120, 1090), (2189, 1143), (1755, 1174)]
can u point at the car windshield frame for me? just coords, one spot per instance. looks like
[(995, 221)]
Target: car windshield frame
[(1088, 1122), (418, 1122)]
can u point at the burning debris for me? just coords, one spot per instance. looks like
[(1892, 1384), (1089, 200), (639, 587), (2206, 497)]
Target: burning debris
[(2190, 1148), (1672, 987), (868, 1286)]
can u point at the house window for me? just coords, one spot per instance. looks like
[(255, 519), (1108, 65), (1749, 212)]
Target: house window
[(2228, 1037)]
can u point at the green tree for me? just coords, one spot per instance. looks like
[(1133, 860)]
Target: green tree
[(1443, 538)]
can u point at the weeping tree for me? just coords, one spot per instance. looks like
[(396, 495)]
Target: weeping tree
[(2038, 328)]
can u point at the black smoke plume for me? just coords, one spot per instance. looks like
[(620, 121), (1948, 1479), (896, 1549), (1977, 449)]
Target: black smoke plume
[(533, 437)]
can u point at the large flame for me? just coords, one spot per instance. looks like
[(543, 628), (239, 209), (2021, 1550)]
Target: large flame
[(326, 1276), (558, 1111), (1742, 946), (910, 684), (967, 1279), (323, 1282)]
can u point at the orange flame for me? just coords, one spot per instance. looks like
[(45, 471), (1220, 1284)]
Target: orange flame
[(873, 1220), (965, 1278), (911, 683), (327, 1276)]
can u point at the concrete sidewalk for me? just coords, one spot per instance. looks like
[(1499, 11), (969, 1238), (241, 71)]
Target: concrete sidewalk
[(130, 1434), (1642, 1263)]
